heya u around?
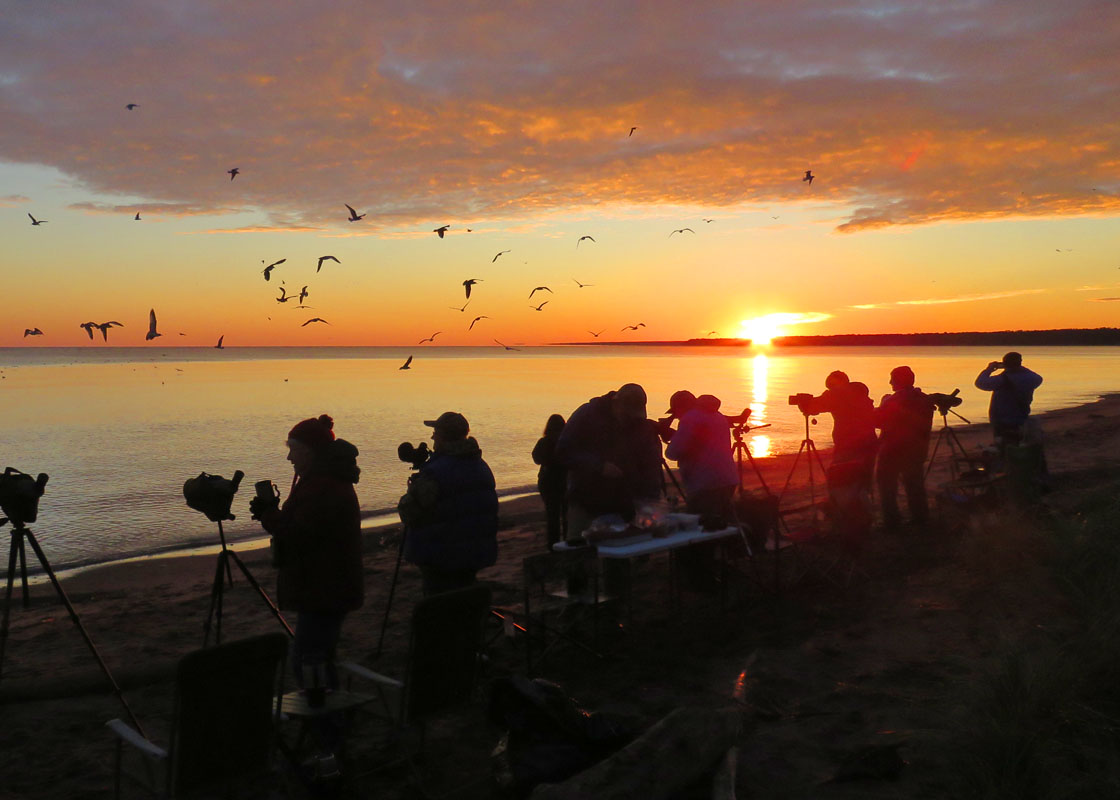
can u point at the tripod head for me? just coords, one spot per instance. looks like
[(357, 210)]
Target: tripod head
[(19, 496), (212, 494), (945, 403)]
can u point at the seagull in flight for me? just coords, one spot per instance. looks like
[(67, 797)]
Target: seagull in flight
[(441, 230), (101, 326), (303, 294), (354, 215), (592, 238), (476, 319), (407, 364), (596, 335), (707, 220), (634, 327), (152, 332), (131, 106), (37, 221), (267, 271), (36, 332), (632, 131), (219, 345), (495, 258), (538, 308), (540, 289), (314, 319), (468, 283), (809, 176), (319, 266), (460, 308), (137, 217), (582, 285), (233, 173), (506, 346), (681, 230), (431, 338), (284, 296)]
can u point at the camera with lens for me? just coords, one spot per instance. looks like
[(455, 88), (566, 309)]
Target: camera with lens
[(801, 399), (19, 496), (665, 428), (944, 402), (212, 494), (412, 455)]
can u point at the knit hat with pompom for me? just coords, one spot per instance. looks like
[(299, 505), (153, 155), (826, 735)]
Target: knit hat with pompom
[(316, 433)]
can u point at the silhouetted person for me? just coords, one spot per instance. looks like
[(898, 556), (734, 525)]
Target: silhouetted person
[(853, 422), (613, 457), (701, 446), (905, 419), (318, 545), (1012, 386), (552, 479), (451, 509)]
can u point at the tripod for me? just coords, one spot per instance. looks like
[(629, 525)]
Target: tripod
[(955, 448), (19, 535), (809, 447), (739, 449), (222, 571)]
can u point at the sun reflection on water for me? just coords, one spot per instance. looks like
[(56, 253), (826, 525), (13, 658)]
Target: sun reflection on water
[(759, 443)]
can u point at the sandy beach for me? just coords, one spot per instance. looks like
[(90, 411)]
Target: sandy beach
[(823, 670)]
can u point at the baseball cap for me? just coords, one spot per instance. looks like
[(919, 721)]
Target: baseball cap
[(451, 424)]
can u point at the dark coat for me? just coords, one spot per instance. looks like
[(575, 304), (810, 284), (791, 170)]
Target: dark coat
[(593, 437), (853, 414), (905, 420), (451, 510), (317, 534), (552, 478)]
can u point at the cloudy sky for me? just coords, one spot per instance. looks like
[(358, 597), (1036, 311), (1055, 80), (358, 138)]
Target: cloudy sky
[(966, 157)]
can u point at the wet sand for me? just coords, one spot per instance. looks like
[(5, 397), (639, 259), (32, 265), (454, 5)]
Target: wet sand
[(827, 669)]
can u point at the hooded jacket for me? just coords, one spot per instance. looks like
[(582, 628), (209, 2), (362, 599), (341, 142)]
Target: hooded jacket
[(905, 419), (702, 448), (317, 532), (451, 510), (1012, 392)]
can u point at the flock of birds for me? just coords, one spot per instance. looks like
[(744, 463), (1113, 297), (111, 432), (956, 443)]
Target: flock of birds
[(304, 293)]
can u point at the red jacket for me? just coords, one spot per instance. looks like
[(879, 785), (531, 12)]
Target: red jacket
[(318, 535)]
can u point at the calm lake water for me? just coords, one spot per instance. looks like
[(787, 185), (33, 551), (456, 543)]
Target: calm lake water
[(119, 429)]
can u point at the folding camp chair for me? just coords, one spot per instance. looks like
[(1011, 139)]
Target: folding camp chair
[(441, 668), (560, 590), (223, 722)]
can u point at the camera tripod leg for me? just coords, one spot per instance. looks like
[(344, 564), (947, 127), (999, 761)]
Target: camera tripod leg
[(392, 591), (15, 548), (260, 590), (216, 590), (81, 628)]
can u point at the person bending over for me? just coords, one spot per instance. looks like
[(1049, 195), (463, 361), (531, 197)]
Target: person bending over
[(853, 422), (701, 446), (451, 509)]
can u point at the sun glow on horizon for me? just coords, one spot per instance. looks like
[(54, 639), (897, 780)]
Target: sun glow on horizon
[(762, 330)]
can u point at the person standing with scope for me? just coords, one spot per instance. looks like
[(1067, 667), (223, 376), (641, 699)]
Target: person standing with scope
[(905, 419), (853, 421), (450, 509), (317, 544)]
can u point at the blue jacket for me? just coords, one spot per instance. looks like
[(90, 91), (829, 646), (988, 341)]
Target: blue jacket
[(1012, 392), (451, 510)]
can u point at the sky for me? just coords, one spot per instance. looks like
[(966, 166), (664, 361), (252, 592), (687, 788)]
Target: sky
[(965, 154)]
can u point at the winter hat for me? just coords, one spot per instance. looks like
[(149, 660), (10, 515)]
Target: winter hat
[(316, 433)]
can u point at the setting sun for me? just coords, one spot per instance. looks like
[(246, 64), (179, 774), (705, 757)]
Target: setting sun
[(761, 330)]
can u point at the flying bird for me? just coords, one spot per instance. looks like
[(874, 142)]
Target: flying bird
[(152, 332), (632, 131), (314, 319), (284, 296), (303, 294), (267, 271), (582, 285), (219, 345), (540, 289), (596, 335), (407, 364), (495, 258), (592, 238), (460, 308), (101, 326), (506, 346), (476, 319), (137, 215), (319, 266), (36, 221), (36, 332), (431, 338), (354, 215), (131, 106), (809, 176), (681, 230), (233, 173), (441, 230), (634, 327), (712, 333), (468, 283), (707, 220), (541, 306)]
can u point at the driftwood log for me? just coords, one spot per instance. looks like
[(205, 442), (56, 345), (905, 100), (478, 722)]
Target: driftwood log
[(677, 751)]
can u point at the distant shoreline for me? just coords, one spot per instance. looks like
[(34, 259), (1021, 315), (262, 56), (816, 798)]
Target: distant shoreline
[(1070, 337)]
